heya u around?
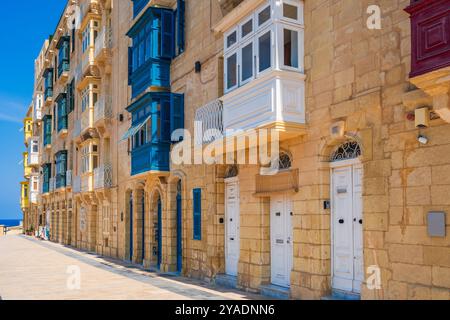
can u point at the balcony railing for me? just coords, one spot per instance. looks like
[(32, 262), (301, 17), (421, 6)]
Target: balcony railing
[(76, 188), (69, 178), (87, 183), (78, 73), (103, 108), (210, 118), (103, 42), (87, 119), (76, 129), (103, 177), (86, 59)]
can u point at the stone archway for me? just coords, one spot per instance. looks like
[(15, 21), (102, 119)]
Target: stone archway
[(335, 154), (154, 234), (175, 231)]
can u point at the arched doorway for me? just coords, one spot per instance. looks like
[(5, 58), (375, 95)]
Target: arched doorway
[(143, 226), (158, 233), (347, 218), (130, 230), (155, 231), (232, 220)]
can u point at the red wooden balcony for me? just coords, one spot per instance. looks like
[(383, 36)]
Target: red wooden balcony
[(430, 35)]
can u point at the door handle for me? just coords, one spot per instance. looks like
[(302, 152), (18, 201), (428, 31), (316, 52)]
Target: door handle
[(360, 221), (341, 221)]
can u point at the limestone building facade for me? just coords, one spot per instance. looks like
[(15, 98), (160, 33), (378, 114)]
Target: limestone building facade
[(354, 95)]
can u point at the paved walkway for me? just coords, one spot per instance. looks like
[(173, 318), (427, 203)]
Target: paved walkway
[(31, 269)]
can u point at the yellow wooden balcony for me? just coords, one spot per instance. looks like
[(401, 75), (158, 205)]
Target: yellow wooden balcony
[(24, 195), (27, 169), (27, 129)]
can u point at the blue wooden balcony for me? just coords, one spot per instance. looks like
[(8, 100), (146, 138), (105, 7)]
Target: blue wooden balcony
[(154, 73), (61, 169), (46, 173), (150, 157), (47, 134), (63, 47), (152, 51), (138, 5), (155, 117), (61, 102), (48, 83)]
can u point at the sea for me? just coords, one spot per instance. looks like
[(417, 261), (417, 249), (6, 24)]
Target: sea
[(10, 223)]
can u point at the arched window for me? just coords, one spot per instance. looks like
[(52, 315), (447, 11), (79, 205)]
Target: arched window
[(347, 151), (284, 161), (231, 172)]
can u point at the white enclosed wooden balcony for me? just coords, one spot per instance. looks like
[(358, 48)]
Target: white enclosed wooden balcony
[(264, 80), (33, 152), (37, 107)]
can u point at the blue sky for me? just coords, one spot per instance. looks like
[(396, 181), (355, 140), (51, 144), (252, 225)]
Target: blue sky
[(24, 25)]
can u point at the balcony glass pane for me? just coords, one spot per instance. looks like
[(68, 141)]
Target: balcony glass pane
[(231, 39), (264, 51), (290, 11), (231, 71), (247, 62), (264, 16), (290, 48), (247, 28)]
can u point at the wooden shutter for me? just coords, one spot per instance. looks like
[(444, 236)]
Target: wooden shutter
[(197, 214), (176, 112), (181, 21), (167, 34)]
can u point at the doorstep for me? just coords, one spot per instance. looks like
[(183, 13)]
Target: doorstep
[(342, 295), (226, 281), (276, 292)]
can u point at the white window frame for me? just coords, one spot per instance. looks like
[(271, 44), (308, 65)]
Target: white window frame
[(252, 33), (230, 54), (240, 61), (226, 35), (272, 49), (299, 7), (299, 31), (258, 11)]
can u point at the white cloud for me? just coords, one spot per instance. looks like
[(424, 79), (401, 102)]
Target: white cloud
[(12, 109), (8, 118)]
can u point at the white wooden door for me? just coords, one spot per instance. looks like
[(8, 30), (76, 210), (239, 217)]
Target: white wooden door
[(357, 229), (232, 237), (347, 228), (281, 240)]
